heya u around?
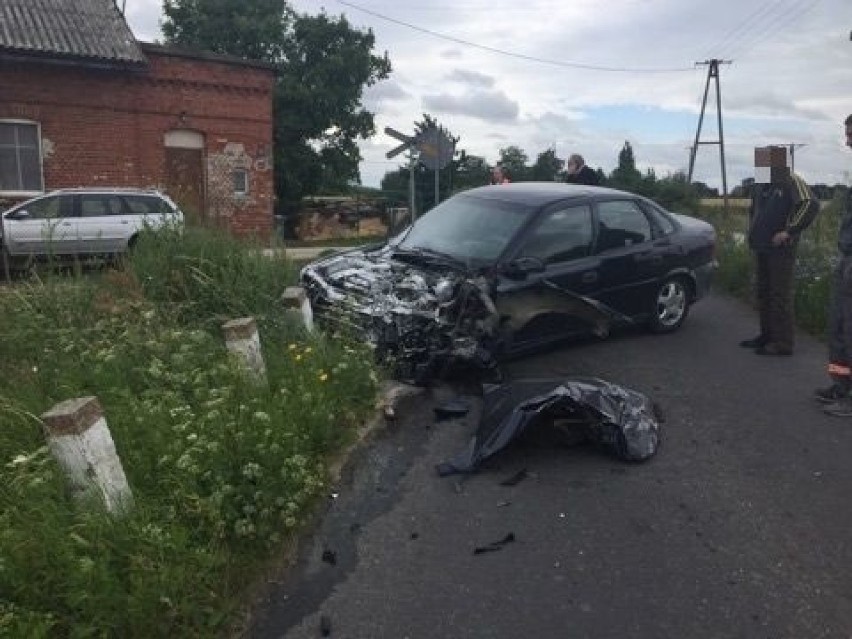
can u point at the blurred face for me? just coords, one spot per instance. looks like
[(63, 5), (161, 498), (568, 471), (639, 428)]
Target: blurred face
[(572, 166), (770, 165), (849, 135), (497, 173)]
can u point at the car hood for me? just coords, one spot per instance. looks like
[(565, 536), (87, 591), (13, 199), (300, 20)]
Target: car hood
[(382, 280)]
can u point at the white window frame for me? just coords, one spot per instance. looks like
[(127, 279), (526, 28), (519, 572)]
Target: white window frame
[(245, 191), (40, 159)]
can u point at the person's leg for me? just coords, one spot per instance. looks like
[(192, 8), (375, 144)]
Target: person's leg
[(840, 342), (838, 369), (761, 284), (783, 315), (763, 295)]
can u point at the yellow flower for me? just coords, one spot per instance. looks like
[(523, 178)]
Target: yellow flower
[(292, 347), (323, 376), (298, 358), (308, 350)]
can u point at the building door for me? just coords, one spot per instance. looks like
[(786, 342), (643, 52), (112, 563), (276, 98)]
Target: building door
[(185, 175)]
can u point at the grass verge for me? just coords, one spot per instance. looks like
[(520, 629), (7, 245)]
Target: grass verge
[(222, 470)]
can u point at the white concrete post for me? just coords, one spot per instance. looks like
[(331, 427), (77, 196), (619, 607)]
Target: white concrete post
[(80, 441), (243, 340), (298, 306)]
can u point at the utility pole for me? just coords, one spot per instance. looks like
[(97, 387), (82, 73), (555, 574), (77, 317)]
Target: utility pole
[(793, 146), (412, 186), (712, 73)]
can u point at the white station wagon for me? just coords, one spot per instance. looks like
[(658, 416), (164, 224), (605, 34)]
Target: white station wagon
[(84, 221)]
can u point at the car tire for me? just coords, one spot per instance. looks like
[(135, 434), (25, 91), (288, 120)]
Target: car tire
[(5, 264), (670, 305)]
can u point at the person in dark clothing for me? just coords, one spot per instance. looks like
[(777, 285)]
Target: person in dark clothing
[(782, 206), (579, 173), (838, 396)]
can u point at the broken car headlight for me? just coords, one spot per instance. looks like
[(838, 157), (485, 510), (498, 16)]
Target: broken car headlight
[(444, 290)]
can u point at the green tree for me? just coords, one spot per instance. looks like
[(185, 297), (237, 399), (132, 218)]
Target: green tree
[(547, 167), (625, 175), (470, 171), (675, 193), (254, 30), (514, 160), (323, 65)]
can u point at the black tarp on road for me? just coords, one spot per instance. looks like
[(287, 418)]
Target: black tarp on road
[(621, 420)]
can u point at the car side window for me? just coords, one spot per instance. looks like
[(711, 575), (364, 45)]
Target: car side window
[(44, 209), (146, 205), (621, 223), (100, 205), (560, 236), (662, 221)]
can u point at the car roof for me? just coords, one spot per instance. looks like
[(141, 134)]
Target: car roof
[(123, 190), (541, 193)]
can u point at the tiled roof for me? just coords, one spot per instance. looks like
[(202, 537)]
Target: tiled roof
[(88, 30)]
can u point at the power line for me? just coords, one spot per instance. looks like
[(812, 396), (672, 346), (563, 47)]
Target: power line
[(743, 27), (519, 56), (779, 23)]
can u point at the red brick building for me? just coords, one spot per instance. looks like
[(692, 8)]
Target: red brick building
[(83, 104)]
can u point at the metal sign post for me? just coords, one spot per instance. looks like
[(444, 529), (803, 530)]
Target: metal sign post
[(432, 147), (408, 143)]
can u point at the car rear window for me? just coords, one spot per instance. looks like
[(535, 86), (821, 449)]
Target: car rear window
[(660, 219), (100, 205), (147, 205)]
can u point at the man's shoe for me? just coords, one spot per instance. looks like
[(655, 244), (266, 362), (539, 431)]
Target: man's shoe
[(840, 408), (831, 394), (754, 342), (773, 350)]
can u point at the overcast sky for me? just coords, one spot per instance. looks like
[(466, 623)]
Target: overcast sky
[(790, 81)]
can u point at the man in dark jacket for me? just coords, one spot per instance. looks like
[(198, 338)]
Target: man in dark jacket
[(782, 206), (579, 173), (837, 396)]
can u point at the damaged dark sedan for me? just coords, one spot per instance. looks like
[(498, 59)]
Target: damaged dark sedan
[(502, 270)]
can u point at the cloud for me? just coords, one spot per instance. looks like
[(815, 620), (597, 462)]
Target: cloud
[(471, 78), (492, 106), (452, 54), (769, 104), (384, 92), (143, 16)]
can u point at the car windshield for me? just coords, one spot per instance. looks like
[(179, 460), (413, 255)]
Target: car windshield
[(469, 229)]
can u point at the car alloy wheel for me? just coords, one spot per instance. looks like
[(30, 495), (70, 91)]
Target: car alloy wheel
[(671, 306)]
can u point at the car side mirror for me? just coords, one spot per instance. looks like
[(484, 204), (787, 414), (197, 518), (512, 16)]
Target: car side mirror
[(520, 268)]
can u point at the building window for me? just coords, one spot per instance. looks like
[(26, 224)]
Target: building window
[(20, 158), (240, 182)]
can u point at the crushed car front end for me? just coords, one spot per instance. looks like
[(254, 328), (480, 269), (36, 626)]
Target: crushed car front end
[(418, 313)]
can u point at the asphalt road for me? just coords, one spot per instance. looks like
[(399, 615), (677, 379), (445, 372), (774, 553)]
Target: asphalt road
[(741, 526)]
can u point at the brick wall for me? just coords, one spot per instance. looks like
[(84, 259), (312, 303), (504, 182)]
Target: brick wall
[(107, 127)]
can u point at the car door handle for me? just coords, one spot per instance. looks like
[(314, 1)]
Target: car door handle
[(66, 223), (125, 221), (590, 277)]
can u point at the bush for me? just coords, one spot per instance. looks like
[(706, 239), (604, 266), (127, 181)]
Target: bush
[(222, 470)]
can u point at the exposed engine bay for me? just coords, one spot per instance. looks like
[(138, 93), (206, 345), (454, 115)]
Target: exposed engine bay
[(423, 313)]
